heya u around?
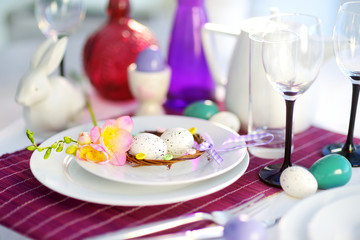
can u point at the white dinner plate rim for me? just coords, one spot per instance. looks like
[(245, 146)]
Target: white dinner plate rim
[(59, 182)]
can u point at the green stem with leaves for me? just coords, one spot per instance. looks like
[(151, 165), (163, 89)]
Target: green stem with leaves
[(78, 78), (58, 145)]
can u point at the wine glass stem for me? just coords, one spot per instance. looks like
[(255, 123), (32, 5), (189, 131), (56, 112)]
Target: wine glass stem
[(62, 70), (62, 64), (349, 144), (288, 133)]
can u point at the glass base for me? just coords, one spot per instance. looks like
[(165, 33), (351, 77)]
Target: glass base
[(266, 152), (272, 150), (336, 148), (270, 175)]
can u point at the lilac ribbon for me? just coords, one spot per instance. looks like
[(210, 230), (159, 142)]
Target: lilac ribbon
[(208, 147), (253, 139)]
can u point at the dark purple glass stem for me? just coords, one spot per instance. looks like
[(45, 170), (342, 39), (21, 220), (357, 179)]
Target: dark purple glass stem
[(288, 133), (349, 144)]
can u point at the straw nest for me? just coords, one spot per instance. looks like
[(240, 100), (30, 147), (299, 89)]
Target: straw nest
[(154, 162)]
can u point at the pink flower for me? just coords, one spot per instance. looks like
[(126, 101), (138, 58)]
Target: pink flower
[(115, 137), (84, 138)]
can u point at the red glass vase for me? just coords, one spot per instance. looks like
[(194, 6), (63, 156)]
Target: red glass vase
[(112, 48)]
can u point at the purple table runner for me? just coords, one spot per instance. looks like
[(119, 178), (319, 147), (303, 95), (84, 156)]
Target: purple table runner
[(31, 209)]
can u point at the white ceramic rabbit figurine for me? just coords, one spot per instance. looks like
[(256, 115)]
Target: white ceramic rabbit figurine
[(51, 104)]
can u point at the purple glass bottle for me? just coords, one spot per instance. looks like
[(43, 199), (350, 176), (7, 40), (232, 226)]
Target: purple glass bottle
[(191, 80), (112, 48)]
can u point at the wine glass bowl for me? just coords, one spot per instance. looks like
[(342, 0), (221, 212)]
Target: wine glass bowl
[(346, 41), (59, 18), (279, 50), (292, 54)]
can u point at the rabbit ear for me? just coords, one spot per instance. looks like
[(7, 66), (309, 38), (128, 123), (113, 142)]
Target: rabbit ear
[(39, 53), (53, 56)]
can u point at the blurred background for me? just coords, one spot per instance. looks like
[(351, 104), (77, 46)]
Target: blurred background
[(19, 34), (17, 20)]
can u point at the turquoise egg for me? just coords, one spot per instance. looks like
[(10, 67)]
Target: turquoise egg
[(331, 171), (201, 109)]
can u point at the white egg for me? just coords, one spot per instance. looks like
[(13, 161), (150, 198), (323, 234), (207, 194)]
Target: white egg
[(228, 119), (151, 145), (178, 140), (298, 182)]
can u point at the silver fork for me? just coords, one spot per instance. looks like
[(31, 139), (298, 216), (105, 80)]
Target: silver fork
[(217, 217)]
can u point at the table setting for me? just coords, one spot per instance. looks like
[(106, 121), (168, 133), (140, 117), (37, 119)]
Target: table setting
[(147, 156)]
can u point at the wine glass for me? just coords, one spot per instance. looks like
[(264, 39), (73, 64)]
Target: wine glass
[(59, 18), (346, 40), (292, 54)]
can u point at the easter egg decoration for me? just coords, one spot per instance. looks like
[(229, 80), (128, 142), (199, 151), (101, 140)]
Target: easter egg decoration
[(227, 119), (178, 141), (298, 182), (150, 60), (331, 171), (147, 145), (244, 228), (164, 147), (149, 81), (202, 109)]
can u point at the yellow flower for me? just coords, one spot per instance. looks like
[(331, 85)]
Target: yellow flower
[(115, 137), (93, 153)]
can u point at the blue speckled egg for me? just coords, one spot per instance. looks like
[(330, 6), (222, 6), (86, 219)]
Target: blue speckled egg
[(201, 109), (150, 60)]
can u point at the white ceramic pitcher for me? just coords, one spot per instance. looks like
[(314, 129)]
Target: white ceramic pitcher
[(237, 80)]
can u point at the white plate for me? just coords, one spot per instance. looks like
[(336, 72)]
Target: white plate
[(63, 175), (294, 224), (181, 172), (338, 220)]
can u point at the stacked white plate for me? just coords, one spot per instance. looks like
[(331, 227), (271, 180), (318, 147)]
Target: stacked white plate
[(129, 186)]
